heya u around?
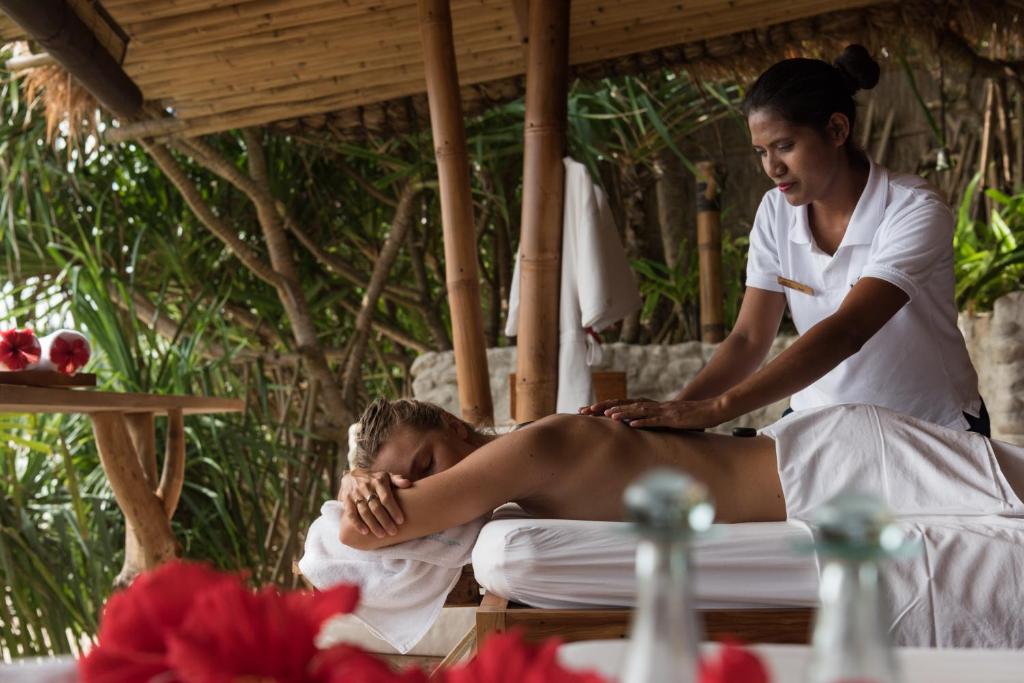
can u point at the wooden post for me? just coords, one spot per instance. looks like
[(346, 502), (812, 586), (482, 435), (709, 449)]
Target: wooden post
[(540, 248), (709, 245), (456, 211)]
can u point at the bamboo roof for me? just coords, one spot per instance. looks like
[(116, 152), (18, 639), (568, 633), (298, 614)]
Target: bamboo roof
[(221, 64)]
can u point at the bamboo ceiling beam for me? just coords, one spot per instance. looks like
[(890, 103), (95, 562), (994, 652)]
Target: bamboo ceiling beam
[(292, 67), (148, 128), (460, 252), (304, 107), (297, 92), (26, 62), (547, 83), (56, 26), (362, 36), (239, 20)]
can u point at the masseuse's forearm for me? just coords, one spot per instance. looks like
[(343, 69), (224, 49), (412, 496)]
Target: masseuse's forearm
[(734, 360), (811, 357)]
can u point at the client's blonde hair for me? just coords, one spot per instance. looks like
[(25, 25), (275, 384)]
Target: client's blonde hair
[(382, 417)]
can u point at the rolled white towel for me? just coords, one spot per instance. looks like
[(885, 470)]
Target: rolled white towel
[(19, 349), (403, 587), (65, 351)]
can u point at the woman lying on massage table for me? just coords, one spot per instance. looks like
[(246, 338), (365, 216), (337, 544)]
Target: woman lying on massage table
[(445, 473)]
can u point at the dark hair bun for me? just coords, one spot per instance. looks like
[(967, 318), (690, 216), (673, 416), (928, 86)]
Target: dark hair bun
[(858, 67)]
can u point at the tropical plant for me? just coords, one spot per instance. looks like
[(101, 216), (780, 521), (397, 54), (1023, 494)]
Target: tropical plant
[(989, 254)]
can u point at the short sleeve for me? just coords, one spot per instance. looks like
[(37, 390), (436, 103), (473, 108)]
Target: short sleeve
[(763, 264), (908, 247)]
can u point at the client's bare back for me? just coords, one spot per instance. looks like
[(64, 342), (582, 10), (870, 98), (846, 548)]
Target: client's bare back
[(585, 464), (569, 467)]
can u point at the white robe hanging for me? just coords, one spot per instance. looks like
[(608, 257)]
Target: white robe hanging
[(598, 287)]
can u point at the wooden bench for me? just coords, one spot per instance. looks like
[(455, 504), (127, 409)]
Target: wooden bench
[(124, 426)]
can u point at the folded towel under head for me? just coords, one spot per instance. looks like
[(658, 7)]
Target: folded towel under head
[(403, 587)]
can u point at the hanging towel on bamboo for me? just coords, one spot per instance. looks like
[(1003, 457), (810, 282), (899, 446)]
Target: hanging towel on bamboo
[(598, 286)]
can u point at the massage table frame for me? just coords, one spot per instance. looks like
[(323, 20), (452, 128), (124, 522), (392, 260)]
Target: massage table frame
[(494, 614)]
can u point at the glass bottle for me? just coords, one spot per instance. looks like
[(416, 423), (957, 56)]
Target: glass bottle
[(666, 508), (853, 532)]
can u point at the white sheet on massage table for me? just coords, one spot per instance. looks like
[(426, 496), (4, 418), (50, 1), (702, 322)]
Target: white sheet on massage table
[(574, 564)]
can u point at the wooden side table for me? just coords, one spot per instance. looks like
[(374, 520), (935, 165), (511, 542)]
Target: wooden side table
[(125, 429)]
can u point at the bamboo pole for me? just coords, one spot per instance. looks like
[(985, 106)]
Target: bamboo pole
[(26, 62), (456, 211), (547, 79), (709, 245)]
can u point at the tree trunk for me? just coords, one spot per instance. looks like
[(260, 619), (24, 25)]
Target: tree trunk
[(396, 238)]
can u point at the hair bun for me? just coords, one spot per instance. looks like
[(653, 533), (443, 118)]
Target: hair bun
[(858, 67)]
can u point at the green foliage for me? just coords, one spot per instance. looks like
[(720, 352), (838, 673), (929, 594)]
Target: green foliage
[(680, 285), (989, 254)]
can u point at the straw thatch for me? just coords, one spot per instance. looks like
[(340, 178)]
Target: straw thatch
[(355, 68)]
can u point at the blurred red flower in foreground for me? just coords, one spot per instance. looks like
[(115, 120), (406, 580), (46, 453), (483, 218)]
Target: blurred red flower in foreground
[(187, 623), (507, 658), (18, 348), (733, 664), (137, 622)]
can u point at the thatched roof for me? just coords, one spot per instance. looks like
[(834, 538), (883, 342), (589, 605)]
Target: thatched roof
[(357, 64)]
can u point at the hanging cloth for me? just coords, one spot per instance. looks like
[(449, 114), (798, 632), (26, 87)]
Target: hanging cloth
[(598, 287)]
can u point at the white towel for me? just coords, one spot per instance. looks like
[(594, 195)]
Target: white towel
[(915, 467), (947, 491), (598, 286), (403, 587)]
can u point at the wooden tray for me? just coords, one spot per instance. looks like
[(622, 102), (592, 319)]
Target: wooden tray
[(48, 378)]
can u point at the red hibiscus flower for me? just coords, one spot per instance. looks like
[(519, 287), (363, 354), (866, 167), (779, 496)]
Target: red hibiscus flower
[(233, 633), (733, 663), (347, 664), (69, 354), (137, 621), (18, 348), (507, 658)]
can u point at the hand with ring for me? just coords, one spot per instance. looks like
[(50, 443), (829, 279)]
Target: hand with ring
[(370, 503)]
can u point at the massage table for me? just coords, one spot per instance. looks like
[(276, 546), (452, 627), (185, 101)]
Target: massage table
[(575, 580)]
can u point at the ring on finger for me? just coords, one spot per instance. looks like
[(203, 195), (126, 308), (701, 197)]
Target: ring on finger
[(357, 501), (371, 497)]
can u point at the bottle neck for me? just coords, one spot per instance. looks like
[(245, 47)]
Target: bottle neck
[(664, 632), (851, 635)]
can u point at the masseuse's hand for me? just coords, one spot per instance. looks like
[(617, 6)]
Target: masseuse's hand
[(601, 408), (673, 414), (370, 502)]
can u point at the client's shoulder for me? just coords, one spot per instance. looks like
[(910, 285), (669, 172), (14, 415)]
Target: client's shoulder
[(557, 428)]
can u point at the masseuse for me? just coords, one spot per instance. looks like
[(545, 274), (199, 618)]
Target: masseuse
[(863, 258)]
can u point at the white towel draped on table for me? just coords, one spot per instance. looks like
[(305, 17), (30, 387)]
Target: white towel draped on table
[(598, 287), (947, 490), (403, 587)]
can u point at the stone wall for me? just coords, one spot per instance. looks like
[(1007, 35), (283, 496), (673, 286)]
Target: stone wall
[(995, 342)]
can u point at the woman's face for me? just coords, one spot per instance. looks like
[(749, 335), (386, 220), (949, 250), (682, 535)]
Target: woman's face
[(416, 454), (801, 161)]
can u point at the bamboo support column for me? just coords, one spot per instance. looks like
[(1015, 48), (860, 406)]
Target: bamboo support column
[(547, 79), (460, 252), (709, 245)]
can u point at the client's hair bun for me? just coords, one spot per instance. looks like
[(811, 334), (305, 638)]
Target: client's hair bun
[(858, 67)]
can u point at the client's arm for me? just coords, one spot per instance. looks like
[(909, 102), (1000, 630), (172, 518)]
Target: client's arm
[(497, 473)]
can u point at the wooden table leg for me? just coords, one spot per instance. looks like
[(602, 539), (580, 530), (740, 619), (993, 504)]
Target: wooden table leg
[(143, 510), (172, 478), (142, 429)]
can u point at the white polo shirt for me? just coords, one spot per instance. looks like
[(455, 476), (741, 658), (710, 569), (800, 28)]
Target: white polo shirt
[(902, 232)]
